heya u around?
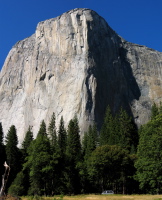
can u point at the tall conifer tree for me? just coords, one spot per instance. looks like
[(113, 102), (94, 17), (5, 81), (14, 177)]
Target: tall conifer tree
[(74, 156), (128, 131), (90, 141), (12, 153), (21, 183), (154, 111), (27, 141), (73, 140), (41, 169), (42, 129), (62, 167), (55, 154), (109, 134), (89, 144), (85, 144), (52, 131), (2, 152), (149, 154), (62, 138)]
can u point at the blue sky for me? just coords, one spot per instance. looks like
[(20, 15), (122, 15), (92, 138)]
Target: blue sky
[(137, 21)]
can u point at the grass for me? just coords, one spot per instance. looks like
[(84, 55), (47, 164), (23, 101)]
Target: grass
[(101, 197)]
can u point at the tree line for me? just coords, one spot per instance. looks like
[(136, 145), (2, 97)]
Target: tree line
[(118, 157)]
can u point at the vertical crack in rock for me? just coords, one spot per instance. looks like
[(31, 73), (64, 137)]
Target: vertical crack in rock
[(89, 103)]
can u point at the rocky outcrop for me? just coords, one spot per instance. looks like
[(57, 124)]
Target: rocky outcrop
[(76, 64)]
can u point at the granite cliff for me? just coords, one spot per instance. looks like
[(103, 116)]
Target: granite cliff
[(76, 64)]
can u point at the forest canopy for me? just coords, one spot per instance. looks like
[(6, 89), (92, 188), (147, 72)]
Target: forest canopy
[(118, 157)]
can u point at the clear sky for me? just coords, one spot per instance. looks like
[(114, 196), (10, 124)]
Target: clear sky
[(137, 21)]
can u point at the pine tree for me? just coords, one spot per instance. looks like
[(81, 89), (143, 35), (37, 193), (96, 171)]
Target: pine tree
[(90, 141), (73, 140), (17, 187), (2, 152), (55, 154), (93, 138), (160, 108), (73, 156), (105, 167), (128, 132), (52, 131), (62, 138), (89, 144), (154, 111), (149, 162), (85, 144), (62, 167), (42, 129), (41, 169), (13, 153), (27, 141), (21, 183), (108, 134)]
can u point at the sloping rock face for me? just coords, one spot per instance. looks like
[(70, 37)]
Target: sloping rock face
[(76, 64)]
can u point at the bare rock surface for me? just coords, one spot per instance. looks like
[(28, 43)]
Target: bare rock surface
[(76, 64)]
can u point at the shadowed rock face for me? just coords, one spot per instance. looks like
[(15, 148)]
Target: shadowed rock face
[(76, 64)]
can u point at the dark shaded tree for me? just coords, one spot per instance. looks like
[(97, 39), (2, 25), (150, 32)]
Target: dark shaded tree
[(17, 188), (73, 153), (109, 133), (89, 143), (62, 168), (26, 143), (84, 143), (2, 152), (52, 131), (154, 111), (21, 183), (13, 153), (42, 129), (107, 167), (149, 162), (107, 129), (127, 132), (92, 138), (62, 138), (55, 155), (40, 170), (73, 141)]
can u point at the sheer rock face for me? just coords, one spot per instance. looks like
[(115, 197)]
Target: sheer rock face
[(76, 64)]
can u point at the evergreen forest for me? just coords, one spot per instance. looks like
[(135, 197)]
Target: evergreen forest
[(119, 157)]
